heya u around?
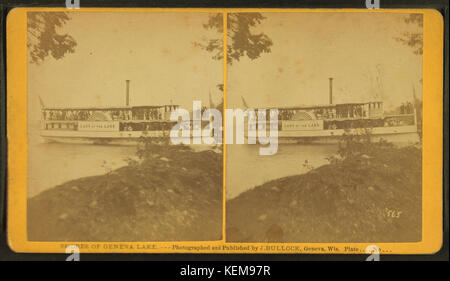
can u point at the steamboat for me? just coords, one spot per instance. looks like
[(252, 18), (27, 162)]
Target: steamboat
[(116, 125), (327, 123)]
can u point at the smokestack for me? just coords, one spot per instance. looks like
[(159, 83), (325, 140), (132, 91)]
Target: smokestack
[(331, 90), (128, 93)]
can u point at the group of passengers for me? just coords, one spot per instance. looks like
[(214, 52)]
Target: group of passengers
[(62, 115), (104, 115), (407, 108), (324, 113), (340, 112)]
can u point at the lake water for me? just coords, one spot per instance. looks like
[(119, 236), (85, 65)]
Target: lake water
[(51, 164), (247, 169)]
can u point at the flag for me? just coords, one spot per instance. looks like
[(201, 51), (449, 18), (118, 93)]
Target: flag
[(42, 102), (243, 101), (211, 103)]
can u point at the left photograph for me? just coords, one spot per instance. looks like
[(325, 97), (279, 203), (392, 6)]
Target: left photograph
[(102, 90)]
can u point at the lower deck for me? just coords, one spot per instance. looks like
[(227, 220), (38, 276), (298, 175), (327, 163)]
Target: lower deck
[(394, 134)]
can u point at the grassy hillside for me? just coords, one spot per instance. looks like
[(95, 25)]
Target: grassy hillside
[(371, 192), (173, 194)]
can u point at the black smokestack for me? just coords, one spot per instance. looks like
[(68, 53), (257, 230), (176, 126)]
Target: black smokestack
[(331, 90), (128, 93)]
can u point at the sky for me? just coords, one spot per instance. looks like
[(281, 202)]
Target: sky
[(156, 51), (356, 49)]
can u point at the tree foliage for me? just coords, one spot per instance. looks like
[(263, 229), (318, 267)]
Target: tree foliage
[(241, 40), (414, 39), (44, 39)]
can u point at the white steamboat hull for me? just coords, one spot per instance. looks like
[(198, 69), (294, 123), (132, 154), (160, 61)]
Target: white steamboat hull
[(400, 134), (93, 137)]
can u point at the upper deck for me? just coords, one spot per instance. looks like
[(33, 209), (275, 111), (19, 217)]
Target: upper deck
[(156, 113), (329, 112)]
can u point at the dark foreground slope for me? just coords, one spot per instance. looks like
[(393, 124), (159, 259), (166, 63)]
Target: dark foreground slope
[(373, 196), (173, 195)]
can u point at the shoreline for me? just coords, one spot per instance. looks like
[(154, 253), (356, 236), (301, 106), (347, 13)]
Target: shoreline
[(370, 197)]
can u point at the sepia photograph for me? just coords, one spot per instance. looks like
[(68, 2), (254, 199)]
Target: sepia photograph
[(101, 90), (347, 164), (224, 131)]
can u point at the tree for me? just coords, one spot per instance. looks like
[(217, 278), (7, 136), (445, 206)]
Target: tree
[(414, 39), (44, 39), (241, 41)]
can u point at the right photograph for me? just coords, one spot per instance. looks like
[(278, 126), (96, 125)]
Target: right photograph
[(342, 97)]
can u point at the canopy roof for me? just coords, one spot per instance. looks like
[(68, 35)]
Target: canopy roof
[(108, 107), (324, 105)]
